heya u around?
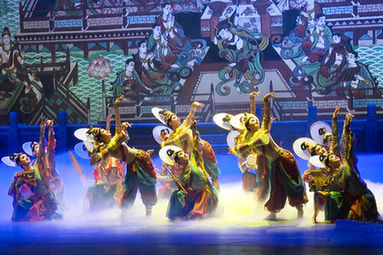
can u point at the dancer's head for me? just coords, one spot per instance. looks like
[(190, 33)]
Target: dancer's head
[(181, 158), (330, 160), (100, 135), (171, 119), (21, 159), (35, 148), (250, 122), (171, 154), (316, 149)]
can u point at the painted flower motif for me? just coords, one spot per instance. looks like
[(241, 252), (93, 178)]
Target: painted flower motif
[(99, 67)]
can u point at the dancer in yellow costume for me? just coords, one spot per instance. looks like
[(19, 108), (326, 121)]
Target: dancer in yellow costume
[(278, 172), (182, 137)]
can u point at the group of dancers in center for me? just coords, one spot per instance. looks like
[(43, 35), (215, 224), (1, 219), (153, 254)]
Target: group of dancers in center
[(189, 172)]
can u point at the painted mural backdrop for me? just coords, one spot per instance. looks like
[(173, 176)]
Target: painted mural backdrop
[(79, 55)]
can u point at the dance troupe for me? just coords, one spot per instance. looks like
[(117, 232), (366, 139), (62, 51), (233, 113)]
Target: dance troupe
[(189, 172)]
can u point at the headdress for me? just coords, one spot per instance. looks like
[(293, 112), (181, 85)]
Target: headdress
[(157, 130), (29, 147), (301, 148), (319, 161), (230, 138), (318, 131), (5, 32), (12, 160), (240, 121), (84, 134), (82, 150), (223, 120), (168, 153), (162, 115)]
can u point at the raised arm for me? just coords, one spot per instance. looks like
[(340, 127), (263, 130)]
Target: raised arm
[(184, 135), (334, 127), (51, 140), (252, 101), (243, 149), (41, 152), (41, 160), (267, 115), (195, 105), (117, 114), (347, 136), (50, 164), (108, 120), (113, 148)]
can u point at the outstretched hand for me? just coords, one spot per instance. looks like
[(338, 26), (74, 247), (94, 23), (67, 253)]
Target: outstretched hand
[(349, 117), (50, 123), (197, 105), (254, 94), (268, 95), (118, 100), (125, 125), (336, 112)]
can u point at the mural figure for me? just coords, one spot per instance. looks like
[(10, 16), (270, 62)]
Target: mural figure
[(355, 77), (147, 67), (172, 30), (318, 41), (242, 48), (309, 9), (12, 58), (158, 44), (307, 45), (129, 84), (33, 92), (15, 76), (188, 51)]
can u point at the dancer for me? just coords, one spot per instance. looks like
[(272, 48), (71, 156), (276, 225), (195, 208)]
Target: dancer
[(280, 168), (195, 197), (160, 133), (33, 199), (359, 201), (317, 179), (140, 173), (182, 137), (55, 181), (108, 175), (249, 179)]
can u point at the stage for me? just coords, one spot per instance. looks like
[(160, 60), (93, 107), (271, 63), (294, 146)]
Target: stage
[(238, 226)]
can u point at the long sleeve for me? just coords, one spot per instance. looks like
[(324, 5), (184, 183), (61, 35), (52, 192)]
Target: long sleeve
[(334, 127), (266, 116)]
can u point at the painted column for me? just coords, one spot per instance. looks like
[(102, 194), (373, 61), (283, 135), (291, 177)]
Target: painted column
[(62, 134), (312, 117), (371, 134)]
